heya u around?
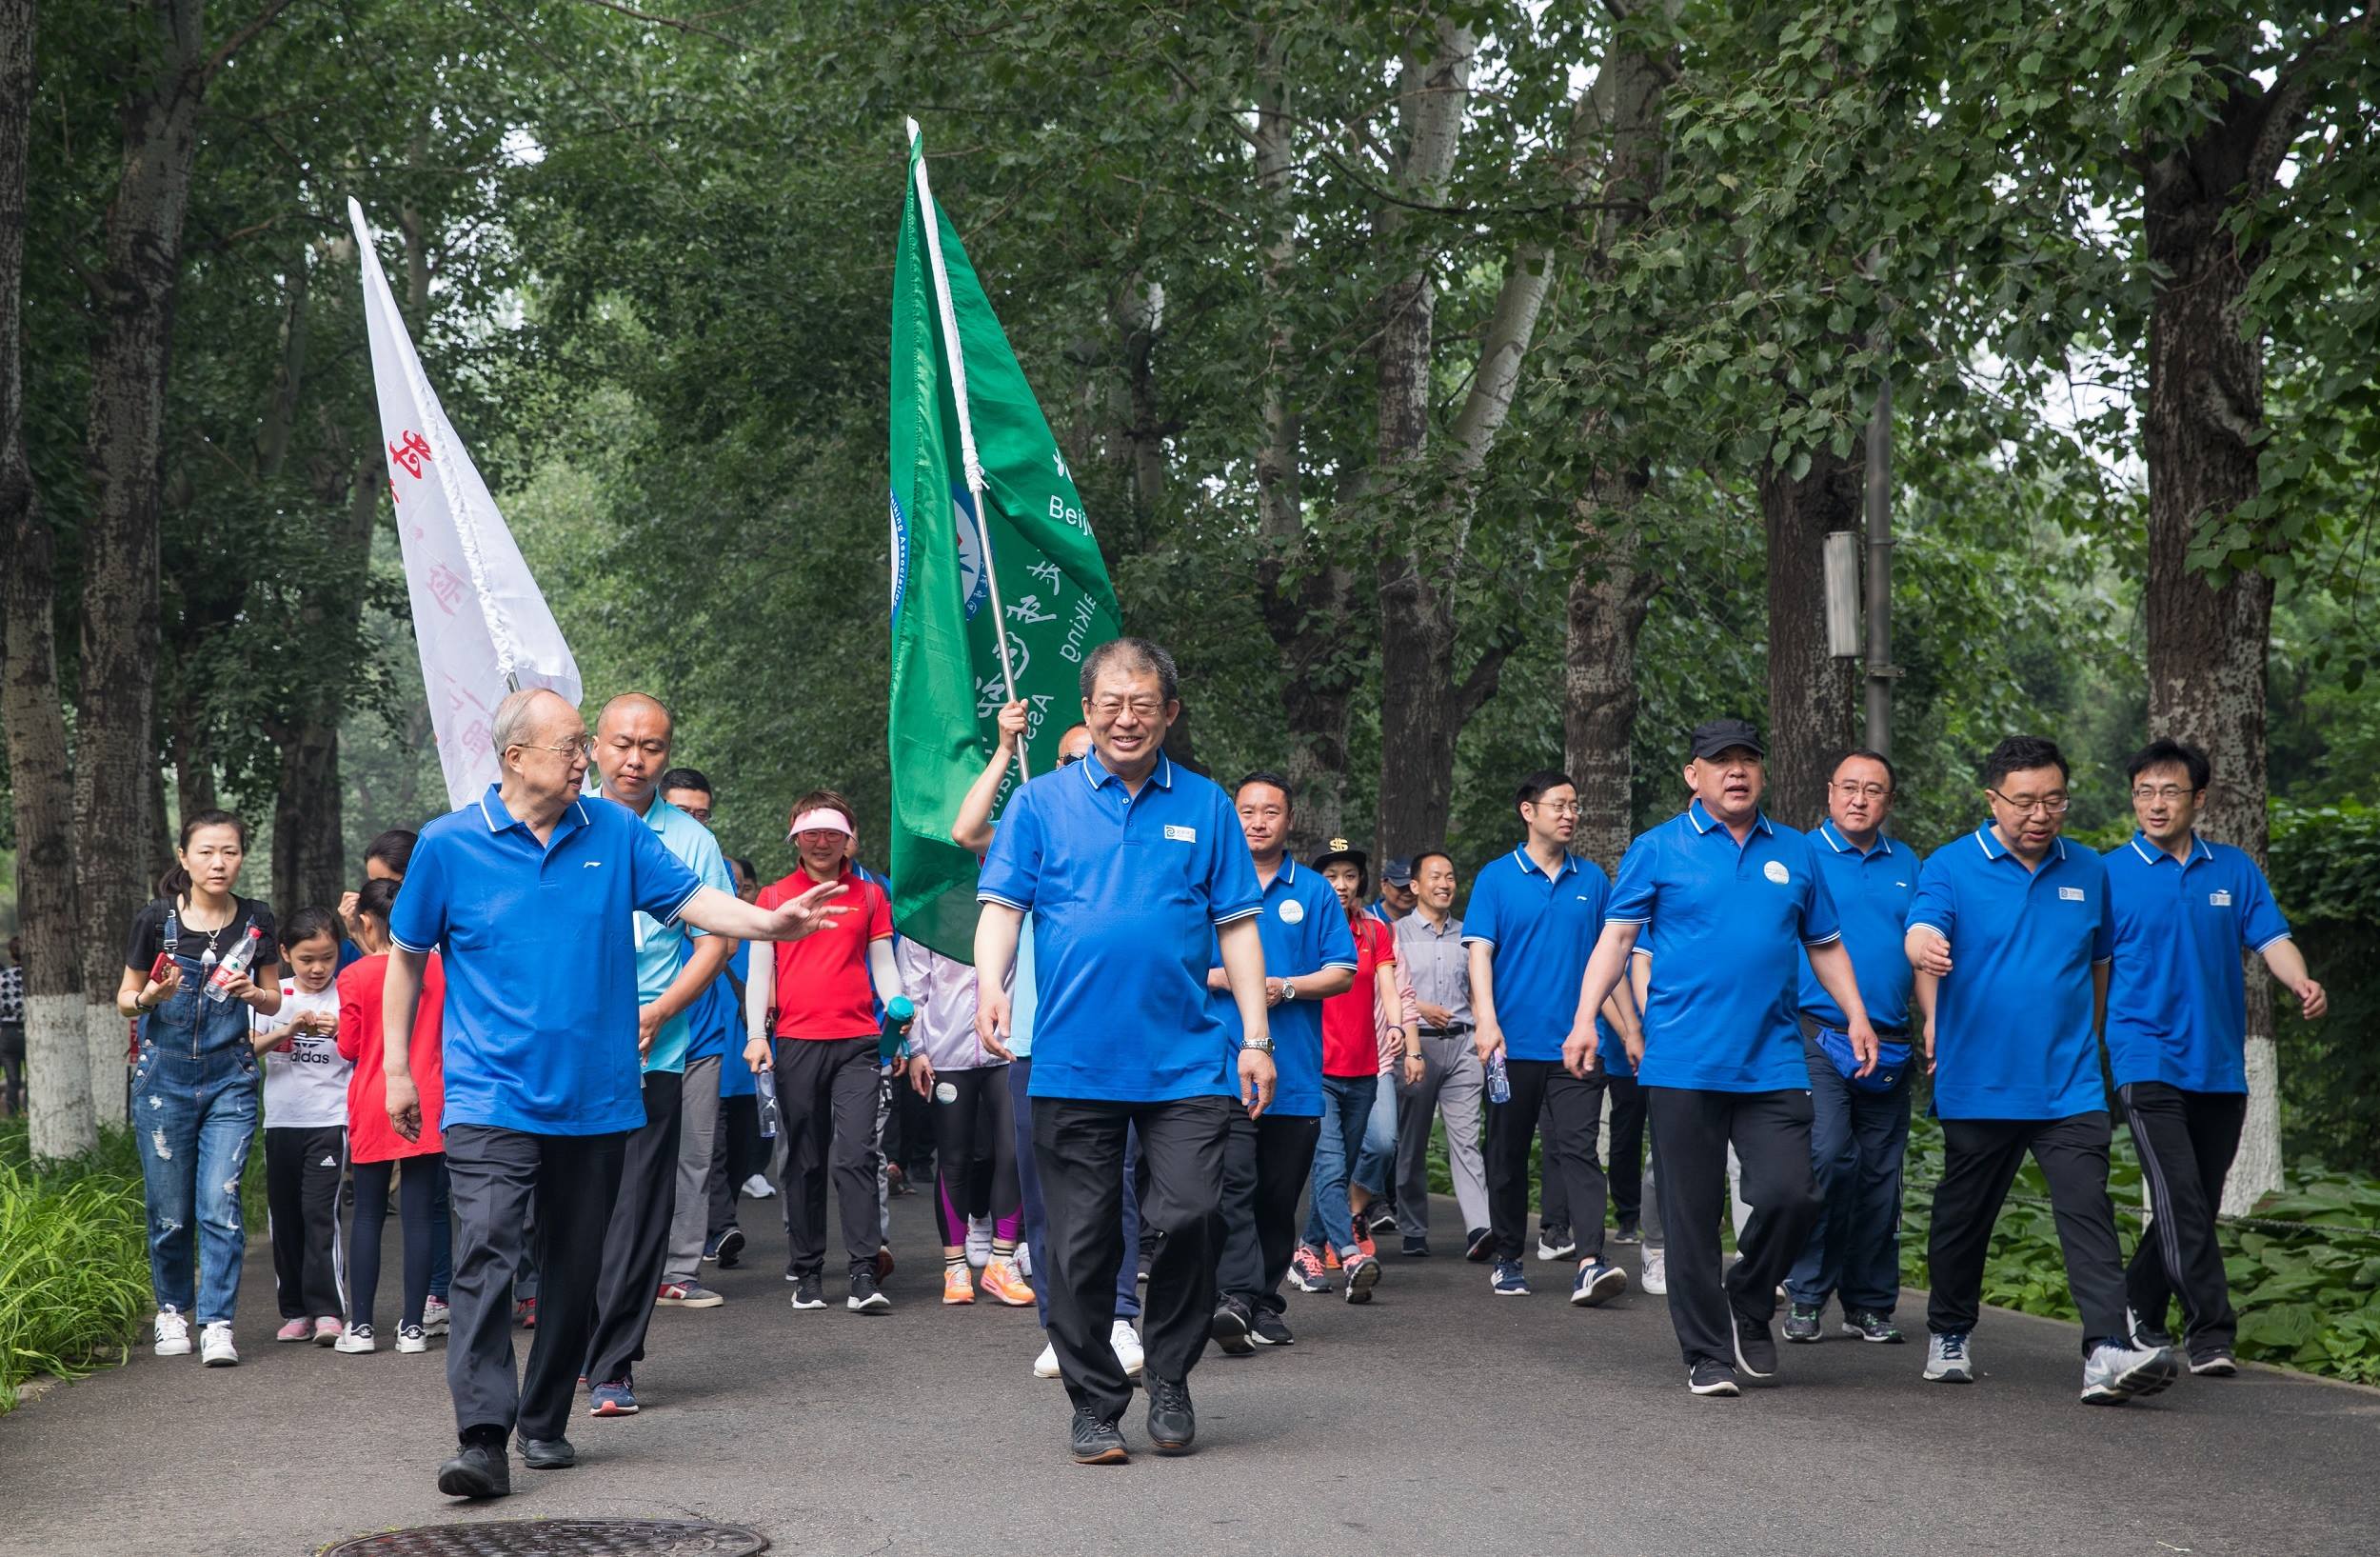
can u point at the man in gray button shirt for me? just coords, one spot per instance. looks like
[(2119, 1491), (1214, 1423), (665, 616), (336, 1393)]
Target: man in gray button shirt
[(1428, 945)]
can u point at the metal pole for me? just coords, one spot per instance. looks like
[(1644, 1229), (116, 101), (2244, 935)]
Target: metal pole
[(1879, 515)]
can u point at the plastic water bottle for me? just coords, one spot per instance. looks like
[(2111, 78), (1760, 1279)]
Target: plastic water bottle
[(1499, 1079), (899, 1012), (765, 1091), (243, 956)]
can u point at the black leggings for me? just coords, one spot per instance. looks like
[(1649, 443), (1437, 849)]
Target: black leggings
[(420, 1181), (972, 1113)]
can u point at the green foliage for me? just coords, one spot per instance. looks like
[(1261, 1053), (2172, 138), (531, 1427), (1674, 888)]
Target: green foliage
[(2325, 869), (73, 1260)]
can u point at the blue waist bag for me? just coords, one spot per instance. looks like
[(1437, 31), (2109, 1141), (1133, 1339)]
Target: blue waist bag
[(1891, 1065)]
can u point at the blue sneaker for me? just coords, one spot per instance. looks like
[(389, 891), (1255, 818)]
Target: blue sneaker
[(1507, 1281), (1597, 1283), (616, 1397)]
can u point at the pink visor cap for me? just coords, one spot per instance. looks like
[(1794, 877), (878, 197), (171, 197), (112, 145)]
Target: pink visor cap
[(823, 817)]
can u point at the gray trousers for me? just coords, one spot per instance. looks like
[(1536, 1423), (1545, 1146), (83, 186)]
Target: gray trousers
[(698, 1132), (1453, 1082)]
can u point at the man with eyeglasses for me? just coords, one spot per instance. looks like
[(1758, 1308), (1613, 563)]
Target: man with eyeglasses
[(1732, 901), (1134, 870), (1532, 917), (1430, 948), (530, 896), (2177, 1036), (2010, 936), (1859, 1122)]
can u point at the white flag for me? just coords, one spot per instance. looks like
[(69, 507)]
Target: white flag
[(481, 624)]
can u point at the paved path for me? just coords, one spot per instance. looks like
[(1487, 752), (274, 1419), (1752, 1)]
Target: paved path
[(1438, 1420)]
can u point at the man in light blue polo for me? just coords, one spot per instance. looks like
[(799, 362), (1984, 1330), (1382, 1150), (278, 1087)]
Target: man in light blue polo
[(530, 895), (1309, 956), (675, 964), (1859, 1123), (1133, 871), (2177, 1035), (1733, 902), (2009, 935)]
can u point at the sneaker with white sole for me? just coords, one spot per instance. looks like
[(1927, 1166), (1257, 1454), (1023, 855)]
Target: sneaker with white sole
[(357, 1339), (1024, 1260), (758, 1188), (686, 1294), (1653, 1276), (1126, 1343), (1599, 1282), (1947, 1361), (214, 1345), (1555, 1243), (979, 1241), (170, 1333), (1045, 1366), (298, 1329), (435, 1314), (2215, 1363), (2119, 1371), (328, 1330), (413, 1338)]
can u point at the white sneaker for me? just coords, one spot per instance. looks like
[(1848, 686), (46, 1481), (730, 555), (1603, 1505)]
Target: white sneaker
[(214, 1345), (979, 1241), (1656, 1276), (413, 1338), (1024, 1259), (758, 1188), (358, 1338), (1045, 1366), (434, 1316), (1127, 1347), (173, 1333)]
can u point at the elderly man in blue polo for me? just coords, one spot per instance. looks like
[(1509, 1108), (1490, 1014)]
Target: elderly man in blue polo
[(530, 895), (1133, 871)]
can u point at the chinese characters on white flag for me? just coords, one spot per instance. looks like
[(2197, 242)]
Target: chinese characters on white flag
[(481, 624)]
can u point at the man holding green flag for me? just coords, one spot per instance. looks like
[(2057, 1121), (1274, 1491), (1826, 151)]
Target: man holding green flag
[(998, 589)]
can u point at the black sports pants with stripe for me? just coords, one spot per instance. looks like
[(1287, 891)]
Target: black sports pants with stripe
[(2186, 1141)]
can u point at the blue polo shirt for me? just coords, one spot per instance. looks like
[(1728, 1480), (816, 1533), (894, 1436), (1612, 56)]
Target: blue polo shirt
[(2012, 1034), (1304, 930), (724, 1013), (1125, 892), (1733, 920), (540, 959), (1871, 892), (2177, 1004), (1539, 930), (661, 949)]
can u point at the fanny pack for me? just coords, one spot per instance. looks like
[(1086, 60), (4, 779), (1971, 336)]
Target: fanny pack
[(1892, 1060)]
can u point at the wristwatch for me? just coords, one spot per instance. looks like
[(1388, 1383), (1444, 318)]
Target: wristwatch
[(1288, 990), (1259, 1045)]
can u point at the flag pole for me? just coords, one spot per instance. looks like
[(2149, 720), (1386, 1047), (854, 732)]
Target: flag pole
[(955, 357)]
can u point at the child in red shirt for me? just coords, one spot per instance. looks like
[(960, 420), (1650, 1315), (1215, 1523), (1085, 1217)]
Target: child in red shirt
[(374, 1147), (1351, 1080)]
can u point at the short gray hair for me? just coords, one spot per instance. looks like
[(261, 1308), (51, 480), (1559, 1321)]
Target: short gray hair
[(1131, 654), (516, 718)]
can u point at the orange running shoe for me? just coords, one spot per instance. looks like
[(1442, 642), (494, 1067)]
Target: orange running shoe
[(956, 1287), (1330, 1258), (1001, 1280), (1363, 1241)]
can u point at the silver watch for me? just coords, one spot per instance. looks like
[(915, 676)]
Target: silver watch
[(1260, 1045)]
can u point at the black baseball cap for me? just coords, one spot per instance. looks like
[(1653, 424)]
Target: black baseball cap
[(1720, 735), (1341, 850), (1397, 872)]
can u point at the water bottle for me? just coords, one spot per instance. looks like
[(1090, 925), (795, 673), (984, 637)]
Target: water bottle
[(242, 955), (765, 1090), (1499, 1080), (899, 1011)]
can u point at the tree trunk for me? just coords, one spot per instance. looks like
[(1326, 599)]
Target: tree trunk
[(308, 820), (116, 756), (57, 1064), (1813, 696), (2201, 428)]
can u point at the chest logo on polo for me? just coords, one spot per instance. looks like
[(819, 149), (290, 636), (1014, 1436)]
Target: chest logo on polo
[(1292, 912), (590, 864), (1777, 872), (2070, 894), (1181, 834), (2218, 900)]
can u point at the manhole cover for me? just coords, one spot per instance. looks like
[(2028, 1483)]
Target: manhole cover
[(561, 1538)]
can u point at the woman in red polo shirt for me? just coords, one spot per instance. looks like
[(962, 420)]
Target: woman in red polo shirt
[(824, 989)]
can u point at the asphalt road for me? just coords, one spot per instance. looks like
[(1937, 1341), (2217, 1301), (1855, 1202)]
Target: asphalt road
[(1438, 1419)]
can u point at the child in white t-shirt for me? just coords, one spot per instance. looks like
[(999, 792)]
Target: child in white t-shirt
[(306, 1129)]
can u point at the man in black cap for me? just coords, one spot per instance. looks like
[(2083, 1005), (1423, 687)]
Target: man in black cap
[(1731, 900), (1398, 893)]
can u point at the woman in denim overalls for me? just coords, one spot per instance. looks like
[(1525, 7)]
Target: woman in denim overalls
[(194, 1100)]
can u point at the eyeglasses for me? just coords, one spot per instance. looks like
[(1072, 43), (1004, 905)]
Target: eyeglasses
[(1559, 808), (1143, 708), (2050, 806), (700, 813), (2167, 792), (582, 747), (1066, 761), (1851, 790)]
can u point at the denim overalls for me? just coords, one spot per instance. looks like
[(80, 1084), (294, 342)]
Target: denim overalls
[(194, 1111)]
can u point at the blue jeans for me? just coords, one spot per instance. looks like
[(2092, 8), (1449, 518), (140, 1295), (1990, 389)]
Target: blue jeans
[(194, 1117), (1036, 1216), (1346, 1110), (1857, 1141), (1376, 1165)]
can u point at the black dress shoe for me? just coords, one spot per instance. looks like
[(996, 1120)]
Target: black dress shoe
[(547, 1453), (478, 1470), (1096, 1441), (1172, 1423)]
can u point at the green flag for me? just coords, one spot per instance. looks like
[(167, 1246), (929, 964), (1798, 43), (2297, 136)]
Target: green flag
[(1027, 560)]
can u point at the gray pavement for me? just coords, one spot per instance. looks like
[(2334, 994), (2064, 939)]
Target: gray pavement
[(1438, 1419)]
